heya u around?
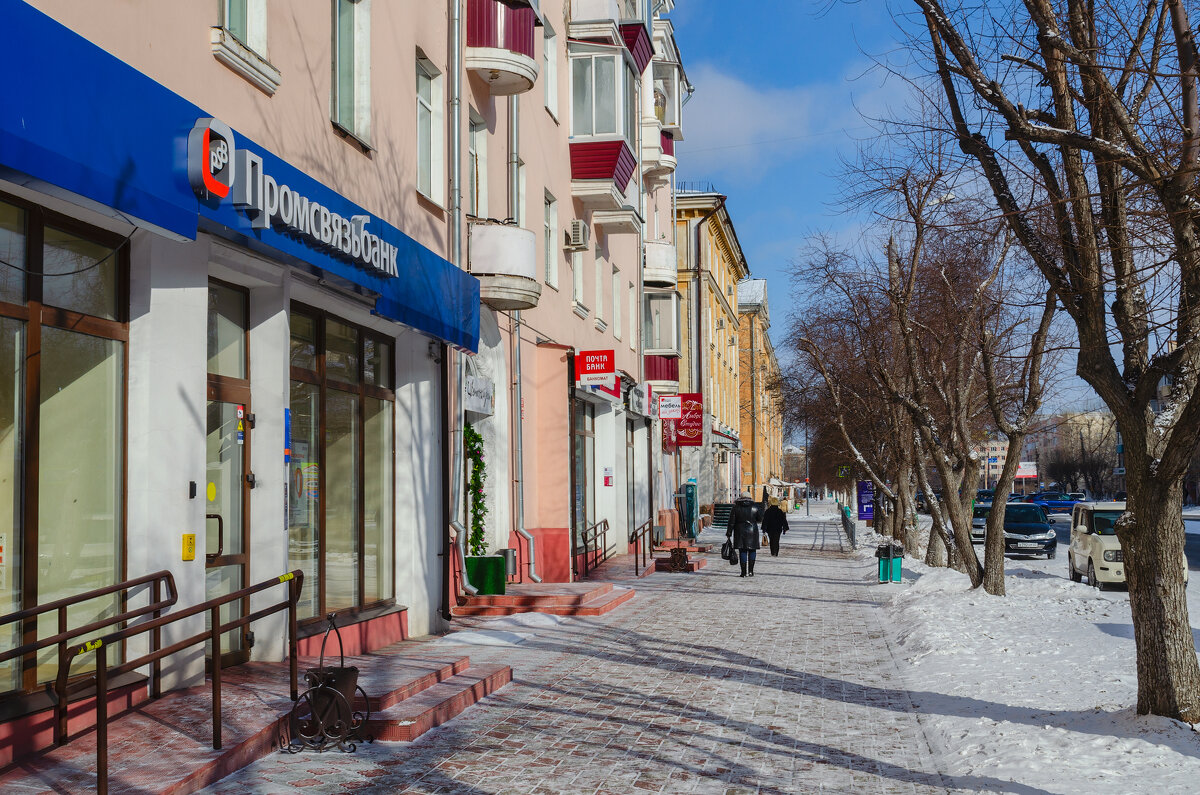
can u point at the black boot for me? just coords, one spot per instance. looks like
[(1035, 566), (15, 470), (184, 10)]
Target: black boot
[(751, 568), (743, 574)]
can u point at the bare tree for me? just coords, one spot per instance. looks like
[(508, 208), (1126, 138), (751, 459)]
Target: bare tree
[(1083, 119)]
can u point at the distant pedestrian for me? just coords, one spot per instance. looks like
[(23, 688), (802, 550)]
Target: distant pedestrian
[(774, 524), (743, 530)]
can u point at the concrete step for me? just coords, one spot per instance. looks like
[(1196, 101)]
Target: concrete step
[(598, 605), (412, 717), (687, 547), (576, 595), (693, 565)]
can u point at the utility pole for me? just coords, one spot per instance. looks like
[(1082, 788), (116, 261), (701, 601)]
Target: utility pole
[(807, 490)]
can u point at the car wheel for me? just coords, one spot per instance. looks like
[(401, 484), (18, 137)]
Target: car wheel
[(1050, 555), (1075, 575), (1092, 577)]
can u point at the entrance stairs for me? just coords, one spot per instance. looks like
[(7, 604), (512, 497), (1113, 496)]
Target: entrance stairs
[(721, 511), (165, 745), (559, 599)]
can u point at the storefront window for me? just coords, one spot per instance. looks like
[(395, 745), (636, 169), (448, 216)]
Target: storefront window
[(80, 275), (226, 331), (12, 381), (12, 254), (342, 484), (585, 443)]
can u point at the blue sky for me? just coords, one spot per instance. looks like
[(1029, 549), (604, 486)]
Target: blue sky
[(778, 98)]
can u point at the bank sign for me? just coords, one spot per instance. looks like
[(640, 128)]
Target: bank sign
[(217, 170)]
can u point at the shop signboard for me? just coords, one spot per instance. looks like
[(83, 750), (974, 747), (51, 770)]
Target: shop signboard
[(595, 368), (689, 428), (670, 407), (1027, 470), (866, 500), (479, 395)]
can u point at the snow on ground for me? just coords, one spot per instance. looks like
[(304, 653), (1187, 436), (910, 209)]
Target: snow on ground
[(1038, 687)]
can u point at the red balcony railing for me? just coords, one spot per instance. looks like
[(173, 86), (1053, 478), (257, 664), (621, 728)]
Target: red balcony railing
[(603, 160), (668, 145), (661, 368), (492, 23)]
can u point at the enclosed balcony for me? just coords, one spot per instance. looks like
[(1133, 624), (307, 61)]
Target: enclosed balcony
[(500, 44), (504, 259), (661, 265), (662, 372), (658, 153), (600, 173)]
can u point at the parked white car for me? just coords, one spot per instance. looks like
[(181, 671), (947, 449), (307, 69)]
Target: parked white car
[(1095, 551)]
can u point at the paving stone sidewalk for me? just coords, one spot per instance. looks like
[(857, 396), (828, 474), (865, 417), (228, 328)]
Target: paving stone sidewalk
[(706, 683)]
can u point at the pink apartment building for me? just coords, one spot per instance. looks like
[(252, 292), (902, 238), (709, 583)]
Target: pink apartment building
[(268, 257)]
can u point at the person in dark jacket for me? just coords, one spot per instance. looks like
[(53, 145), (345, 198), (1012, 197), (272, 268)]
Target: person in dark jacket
[(743, 531), (774, 524)]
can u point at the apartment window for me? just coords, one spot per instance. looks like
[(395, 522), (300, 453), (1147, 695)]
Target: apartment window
[(616, 303), (430, 157), (577, 277), (666, 93), (632, 316), (240, 42), (603, 95), (599, 300), (550, 68), (477, 199), (550, 239), (352, 67), (660, 323)]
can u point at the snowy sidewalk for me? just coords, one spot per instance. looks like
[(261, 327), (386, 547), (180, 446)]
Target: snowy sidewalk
[(706, 682)]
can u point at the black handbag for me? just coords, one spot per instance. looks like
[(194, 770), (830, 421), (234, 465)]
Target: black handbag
[(733, 554), (726, 550)]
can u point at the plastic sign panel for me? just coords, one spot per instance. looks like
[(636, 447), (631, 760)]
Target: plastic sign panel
[(689, 428), (866, 500), (670, 407), (1027, 469), (595, 368)]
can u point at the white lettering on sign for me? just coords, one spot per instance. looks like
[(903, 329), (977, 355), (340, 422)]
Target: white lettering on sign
[(268, 203)]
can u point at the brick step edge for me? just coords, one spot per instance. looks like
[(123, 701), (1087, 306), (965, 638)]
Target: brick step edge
[(693, 565), (690, 548), (597, 607), (413, 717), (410, 689), (518, 600)]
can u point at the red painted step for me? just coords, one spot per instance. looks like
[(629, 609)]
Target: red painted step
[(606, 600), (693, 564), (543, 594), (412, 717)]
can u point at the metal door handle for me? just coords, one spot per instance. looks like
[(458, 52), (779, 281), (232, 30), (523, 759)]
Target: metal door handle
[(220, 537)]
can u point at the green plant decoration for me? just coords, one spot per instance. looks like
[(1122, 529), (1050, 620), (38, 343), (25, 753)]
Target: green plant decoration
[(473, 450)]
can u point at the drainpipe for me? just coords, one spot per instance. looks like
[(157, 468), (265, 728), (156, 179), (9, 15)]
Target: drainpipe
[(518, 412), (456, 511), (753, 411)]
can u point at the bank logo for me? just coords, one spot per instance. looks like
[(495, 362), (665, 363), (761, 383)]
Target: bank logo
[(211, 155)]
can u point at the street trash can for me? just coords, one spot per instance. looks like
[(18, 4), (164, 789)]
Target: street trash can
[(884, 553), (897, 558), (510, 561)]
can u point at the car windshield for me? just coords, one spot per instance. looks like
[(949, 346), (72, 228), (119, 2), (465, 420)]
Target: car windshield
[(1019, 514), (981, 511), (1105, 522)]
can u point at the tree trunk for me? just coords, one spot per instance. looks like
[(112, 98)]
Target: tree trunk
[(1152, 537), (935, 550), (993, 551)]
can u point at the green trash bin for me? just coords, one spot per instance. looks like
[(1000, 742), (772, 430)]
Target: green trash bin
[(897, 557), (884, 553)]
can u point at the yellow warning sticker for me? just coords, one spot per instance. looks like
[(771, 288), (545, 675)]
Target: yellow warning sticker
[(212, 492), (286, 577)]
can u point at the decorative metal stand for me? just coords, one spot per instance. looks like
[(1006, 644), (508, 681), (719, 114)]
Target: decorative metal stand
[(324, 716), (679, 560)]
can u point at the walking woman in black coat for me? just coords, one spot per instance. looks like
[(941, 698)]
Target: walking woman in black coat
[(774, 525), (743, 529)]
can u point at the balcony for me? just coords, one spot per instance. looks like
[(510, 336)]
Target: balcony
[(662, 372), (500, 45), (600, 173), (658, 153), (596, 20), (661, 265), (504, 259)]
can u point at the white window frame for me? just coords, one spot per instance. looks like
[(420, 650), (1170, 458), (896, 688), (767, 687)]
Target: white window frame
[(477, 181), (550, 69), (522, 203), (434, 161), (550, 239), (577, 281), (598, 306), (625, 111), (655, 341), (616, 302), (246, 53), (358, 123)]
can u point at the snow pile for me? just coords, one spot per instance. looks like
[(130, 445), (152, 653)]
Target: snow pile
[(1039, 687)]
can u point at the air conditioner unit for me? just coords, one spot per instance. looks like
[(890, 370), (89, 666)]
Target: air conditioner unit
[(720, 322), (577, 235)]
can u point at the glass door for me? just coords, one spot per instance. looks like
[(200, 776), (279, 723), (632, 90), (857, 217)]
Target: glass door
[(227, 473)]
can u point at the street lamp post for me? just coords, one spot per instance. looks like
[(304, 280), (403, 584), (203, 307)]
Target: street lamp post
[(807, 490)]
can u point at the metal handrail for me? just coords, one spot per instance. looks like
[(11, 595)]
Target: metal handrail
[(642, 538), (155, 607), (294, 580), (849, 527), (598, 552)]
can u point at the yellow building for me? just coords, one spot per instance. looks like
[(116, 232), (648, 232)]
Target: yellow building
[(711, 264), (761, 409)]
